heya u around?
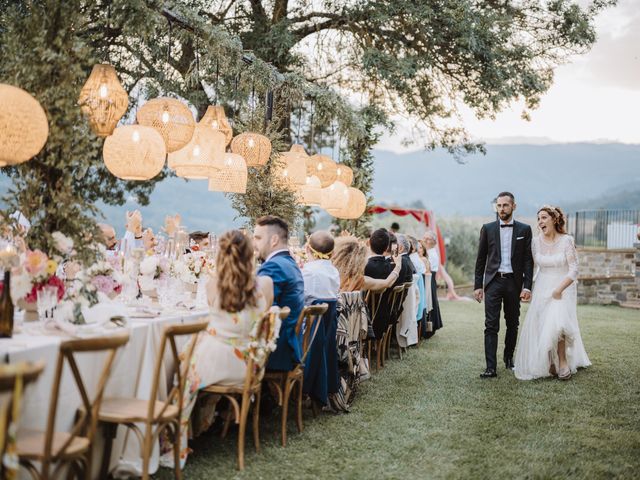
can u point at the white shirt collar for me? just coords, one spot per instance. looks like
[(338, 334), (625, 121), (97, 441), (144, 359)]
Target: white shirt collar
[(510, 222), (274, 253)]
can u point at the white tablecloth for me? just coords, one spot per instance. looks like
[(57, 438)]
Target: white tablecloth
[(131, 376)]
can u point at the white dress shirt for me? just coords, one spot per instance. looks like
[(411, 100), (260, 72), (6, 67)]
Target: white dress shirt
[(129, 242), (506, 234), (321, 281), (434, 259)]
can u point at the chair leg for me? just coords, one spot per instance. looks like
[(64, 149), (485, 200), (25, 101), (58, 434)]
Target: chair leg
[(147, 448), (177, 472), (110, 430), (285, 410), (256, 421), (299, 407), (379, 359), (314, 408), (227, 423), (244, 411)]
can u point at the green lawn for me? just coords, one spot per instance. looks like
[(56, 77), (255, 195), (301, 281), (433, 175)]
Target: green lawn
[(431, 416)]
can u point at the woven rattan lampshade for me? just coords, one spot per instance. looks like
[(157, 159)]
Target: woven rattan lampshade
[(322, 167), (344, 174), (134, 152), (253, 147), (335, 197), (103, 100), (23, 126), (171, 118), (231, 177), (202, 156), (310, 194), (215, 118), (293, 167), (356, 205)]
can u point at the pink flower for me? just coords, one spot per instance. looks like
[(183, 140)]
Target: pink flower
[(36, 262), (104, 284)]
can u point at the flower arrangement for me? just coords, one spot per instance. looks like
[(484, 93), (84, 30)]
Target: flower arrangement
[(191, 266), (153, 267), (105, 278), (35, 272)]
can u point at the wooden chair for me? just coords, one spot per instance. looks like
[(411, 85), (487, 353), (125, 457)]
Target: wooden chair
[(13, 379), (397, 299), (283, 382), (252, 389), (373, 301), (69, 449), (156, 415)]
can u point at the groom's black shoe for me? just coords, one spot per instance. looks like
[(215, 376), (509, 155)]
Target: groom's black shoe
[(488, 373), (508, 363)]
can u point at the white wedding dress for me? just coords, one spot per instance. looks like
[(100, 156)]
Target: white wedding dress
[(548, 319)]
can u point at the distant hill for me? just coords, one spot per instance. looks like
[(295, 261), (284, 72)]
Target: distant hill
[(575, 176)]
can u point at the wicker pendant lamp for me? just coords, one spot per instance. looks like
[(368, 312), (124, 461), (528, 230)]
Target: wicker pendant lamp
[(134, 152), (322, 167), (310, 194), (356, 205), (103, 100), (231, 177), (335, 197), (202, 156), (23, 126), (293, 168), (253, 147), (344, 174), (215, 118), (171, 118)]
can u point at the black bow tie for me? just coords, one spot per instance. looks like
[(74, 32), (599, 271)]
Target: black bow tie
[(506, 225)]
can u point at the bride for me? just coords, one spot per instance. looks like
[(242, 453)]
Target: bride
[(550, 342)]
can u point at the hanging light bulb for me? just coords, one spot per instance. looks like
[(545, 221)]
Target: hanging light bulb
[(135, 136), (104, 91), (165, 117)]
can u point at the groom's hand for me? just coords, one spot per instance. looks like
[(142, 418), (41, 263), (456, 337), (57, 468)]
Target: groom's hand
[(525, 296), (478, 295)]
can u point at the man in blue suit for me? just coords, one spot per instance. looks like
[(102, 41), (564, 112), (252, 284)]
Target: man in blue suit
[(270, 238)]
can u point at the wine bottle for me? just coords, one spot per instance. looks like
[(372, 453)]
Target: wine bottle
[(6, 307)]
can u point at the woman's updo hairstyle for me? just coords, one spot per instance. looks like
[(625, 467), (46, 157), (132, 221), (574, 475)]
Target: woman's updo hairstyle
[(235, 270), (559, 219)]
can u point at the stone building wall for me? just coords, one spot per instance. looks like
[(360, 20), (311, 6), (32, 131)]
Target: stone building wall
[(609, 276)]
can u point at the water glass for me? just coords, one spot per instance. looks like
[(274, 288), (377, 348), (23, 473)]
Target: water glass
[(47, 299)]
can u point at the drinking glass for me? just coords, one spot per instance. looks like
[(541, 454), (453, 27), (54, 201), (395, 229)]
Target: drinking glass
[(47, 299)]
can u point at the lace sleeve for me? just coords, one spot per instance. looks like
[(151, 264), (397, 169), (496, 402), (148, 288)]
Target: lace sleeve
[(534, 251), (572, 258)]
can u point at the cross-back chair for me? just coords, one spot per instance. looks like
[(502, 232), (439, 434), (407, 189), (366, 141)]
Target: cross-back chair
[(398, 294), (156, 415), (374, 301), (54, 450), (251, 390), (283, 382)]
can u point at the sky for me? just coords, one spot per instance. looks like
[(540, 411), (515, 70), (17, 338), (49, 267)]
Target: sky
[(595, 97)]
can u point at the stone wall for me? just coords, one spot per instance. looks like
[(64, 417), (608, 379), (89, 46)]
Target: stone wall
[(609, 276)]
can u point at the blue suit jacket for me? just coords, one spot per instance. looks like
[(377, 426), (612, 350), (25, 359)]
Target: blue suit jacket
[(288, 291)]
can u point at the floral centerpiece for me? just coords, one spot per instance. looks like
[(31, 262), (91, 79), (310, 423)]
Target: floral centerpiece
[(193, 266), (152, 268), (105, 278)]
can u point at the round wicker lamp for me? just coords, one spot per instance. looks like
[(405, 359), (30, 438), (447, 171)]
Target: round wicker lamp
[(171, 118), (253, 147), (134, 152), (215, 118), (310, 194), (103, 99), (344, 174), (355, 207), (202, 156), (232, 176), (335, 197), (322, 167), (23, 126), (293, 167)]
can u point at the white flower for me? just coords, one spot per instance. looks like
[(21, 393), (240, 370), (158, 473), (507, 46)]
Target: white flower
[(63, 243), (20, 286), (148, 266)]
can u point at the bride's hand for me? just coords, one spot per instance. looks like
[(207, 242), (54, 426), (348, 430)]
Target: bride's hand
[(557, 295)]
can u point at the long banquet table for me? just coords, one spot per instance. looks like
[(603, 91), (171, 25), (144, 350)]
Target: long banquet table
[(131, 376)]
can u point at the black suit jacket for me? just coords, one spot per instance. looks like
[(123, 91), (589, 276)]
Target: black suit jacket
[(379, 267), (489, 255)]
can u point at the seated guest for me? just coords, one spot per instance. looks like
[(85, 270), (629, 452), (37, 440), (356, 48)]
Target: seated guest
[(407, 269), (379, 267), (108, 236), (321, 279), (270, 238), (350, 258), (199, 240), (237, 298)]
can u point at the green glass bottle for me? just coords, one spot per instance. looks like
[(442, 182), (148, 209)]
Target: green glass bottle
[(6, 308)]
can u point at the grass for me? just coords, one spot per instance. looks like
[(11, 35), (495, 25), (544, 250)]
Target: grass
[(431, 416)]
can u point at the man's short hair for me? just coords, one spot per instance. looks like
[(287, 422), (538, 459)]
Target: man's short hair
[(322, 242), (507, 194), (395, 226), (276, 222), (379, 241), (198, 235)]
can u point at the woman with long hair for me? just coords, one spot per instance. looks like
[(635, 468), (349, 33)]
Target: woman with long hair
[(237, 299), (550, 343)]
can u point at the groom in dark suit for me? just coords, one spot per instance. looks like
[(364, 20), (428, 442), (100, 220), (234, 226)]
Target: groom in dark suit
[(504, 273)]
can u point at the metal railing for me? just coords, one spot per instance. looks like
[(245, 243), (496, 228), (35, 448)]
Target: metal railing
[(604, 228)]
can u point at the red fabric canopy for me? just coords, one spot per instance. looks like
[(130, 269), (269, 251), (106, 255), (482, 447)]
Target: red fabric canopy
[(425, 216)]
